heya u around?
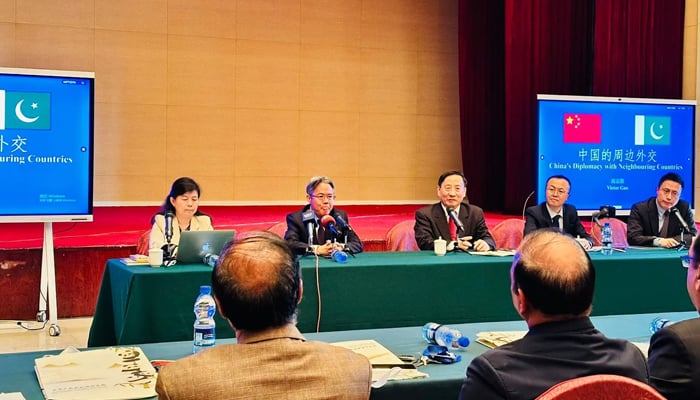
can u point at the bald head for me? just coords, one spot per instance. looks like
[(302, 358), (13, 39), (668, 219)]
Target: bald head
[(257, 282), (555, 274)]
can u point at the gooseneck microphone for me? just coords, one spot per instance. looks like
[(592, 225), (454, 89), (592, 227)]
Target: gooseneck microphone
[(329, 223), (307, 217), (344, 226), (677, 213), (453, 214), (169, 216)]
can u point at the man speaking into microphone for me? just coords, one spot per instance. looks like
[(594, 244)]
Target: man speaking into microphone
[(659, 221), (308, 232), (453, 219)]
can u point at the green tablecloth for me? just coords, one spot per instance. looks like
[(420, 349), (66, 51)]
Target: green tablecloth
[(140, 304), (443, 382)]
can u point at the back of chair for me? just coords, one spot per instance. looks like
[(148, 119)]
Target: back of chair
[(601, 387), (508, 233), (143, 243), (619, 229), (279, 229), (402, 237)]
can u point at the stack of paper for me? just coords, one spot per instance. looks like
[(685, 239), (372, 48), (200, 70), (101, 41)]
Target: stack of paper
[(385, 364), (107, 374), (495, 339)]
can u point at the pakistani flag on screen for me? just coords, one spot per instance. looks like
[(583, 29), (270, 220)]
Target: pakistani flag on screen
[(25, 110), (652, 130)]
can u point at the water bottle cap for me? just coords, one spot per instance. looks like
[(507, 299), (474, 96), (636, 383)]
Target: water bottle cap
[(340, 256), (463, 341), (205, 289)]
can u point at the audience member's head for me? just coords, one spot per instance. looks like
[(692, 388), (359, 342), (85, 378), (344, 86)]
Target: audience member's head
[(552, 278), (452, 188), (669, 190), (557, 191), (320, 192), (257, 282), (693, 278)]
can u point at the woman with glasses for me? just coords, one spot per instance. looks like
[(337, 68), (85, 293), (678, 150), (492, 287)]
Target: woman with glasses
[(319, 228)]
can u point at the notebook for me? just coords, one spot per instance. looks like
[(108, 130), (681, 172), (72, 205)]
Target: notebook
[(194, 245)]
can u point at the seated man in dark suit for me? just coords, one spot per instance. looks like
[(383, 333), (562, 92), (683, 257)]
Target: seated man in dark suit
[(552, 285), (660, 220), (433, 222), (257, 286), (674, 353), (306, 234), (554, 212)]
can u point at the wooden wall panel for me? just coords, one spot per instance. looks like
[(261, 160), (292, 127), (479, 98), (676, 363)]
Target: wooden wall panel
[(251, 97)]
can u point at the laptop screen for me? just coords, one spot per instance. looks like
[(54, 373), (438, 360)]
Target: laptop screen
[(195, 245)]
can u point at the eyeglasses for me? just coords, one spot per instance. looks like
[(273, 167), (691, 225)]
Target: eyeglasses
[(323, 196), (553, 190), (687, 261)]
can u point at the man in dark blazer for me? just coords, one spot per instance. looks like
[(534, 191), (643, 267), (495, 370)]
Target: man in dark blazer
[(674, 352), (543, 215), (645, 225), (433, 222), (306, 234), (552, 287)]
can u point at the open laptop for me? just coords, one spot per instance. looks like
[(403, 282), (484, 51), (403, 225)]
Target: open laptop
[(194, 245)]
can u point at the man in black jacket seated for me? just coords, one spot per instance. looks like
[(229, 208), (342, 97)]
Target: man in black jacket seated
[(554, 212), (552, 285), (663, 220), (674, 353), (307, 234)]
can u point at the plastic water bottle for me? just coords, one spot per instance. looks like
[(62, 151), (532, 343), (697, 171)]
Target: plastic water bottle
[(607, 239), (339, 256), (658, 323), (211, 259), (204, 325), (444, 336)]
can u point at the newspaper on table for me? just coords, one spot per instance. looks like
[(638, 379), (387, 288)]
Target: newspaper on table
[(108, 374)]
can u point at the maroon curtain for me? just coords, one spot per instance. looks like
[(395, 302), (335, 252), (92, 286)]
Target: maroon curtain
[(639, 48), (511, 50)]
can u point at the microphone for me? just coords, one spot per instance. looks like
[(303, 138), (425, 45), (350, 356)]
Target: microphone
[(169, 216), (344, 226), (453, 214), (602, 213), (677, 213), (307, 217), (329, 223)]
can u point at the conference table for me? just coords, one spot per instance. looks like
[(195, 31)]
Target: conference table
[(443, 381), (141, 304)]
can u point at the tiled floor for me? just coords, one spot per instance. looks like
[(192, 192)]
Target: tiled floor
[(15, 339)]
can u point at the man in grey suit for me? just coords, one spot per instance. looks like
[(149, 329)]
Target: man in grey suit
[(552, 285), (433, 222), (674, 353), (257, 286)]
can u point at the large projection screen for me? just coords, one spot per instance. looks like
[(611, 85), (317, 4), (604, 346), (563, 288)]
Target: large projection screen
[(614, 150)]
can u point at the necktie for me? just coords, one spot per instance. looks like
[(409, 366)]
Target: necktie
[(555, 221), (664, 229), (453, 229), (321, 235)]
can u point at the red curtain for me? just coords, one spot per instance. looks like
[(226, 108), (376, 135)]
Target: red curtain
[(511, 50)]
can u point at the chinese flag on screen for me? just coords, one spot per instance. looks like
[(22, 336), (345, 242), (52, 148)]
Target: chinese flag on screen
[(582, 128)]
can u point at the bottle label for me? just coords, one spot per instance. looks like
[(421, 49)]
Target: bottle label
[(204, 336)]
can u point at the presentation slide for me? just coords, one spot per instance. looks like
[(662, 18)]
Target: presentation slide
[(46, 144), (614, 150)]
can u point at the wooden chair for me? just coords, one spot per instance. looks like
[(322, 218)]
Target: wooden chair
[(601, 387), (508, 233), (402, 237), (619, 229)]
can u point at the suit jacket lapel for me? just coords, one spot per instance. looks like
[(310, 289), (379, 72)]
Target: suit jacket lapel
[(441, 222), (654, 217)]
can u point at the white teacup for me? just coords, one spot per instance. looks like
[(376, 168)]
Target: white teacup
[(155, 257), (440, 246)]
